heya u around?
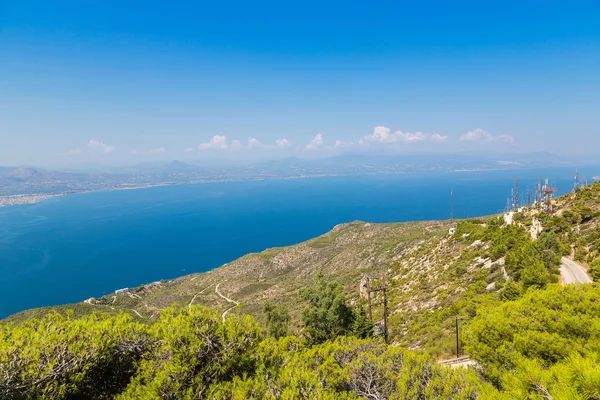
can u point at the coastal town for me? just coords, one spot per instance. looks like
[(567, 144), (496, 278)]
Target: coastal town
[(23, 199)]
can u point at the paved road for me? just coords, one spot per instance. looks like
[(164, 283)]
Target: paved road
[(572, 272)]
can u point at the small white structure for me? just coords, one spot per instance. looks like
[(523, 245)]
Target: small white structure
[(451, 231), (119, 291)]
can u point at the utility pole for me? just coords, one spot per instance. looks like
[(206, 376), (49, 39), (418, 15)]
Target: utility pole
[(385, 308), (457, 348)]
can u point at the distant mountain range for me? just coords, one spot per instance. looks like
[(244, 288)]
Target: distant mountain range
[(35, 181)]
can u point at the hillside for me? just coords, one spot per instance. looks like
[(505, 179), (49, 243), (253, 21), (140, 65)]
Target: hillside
[(347, 252), (420, 262), (431, 276)]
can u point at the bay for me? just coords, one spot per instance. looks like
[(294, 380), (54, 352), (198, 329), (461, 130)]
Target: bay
[(70, 248)]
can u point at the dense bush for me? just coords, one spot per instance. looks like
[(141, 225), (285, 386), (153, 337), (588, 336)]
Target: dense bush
[(60, 358), (543, 329), (277, 318), (328, 315), (191, 354)]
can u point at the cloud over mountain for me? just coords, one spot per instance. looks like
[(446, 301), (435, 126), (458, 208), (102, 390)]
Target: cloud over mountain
[(481, 135), (384, 135), (216, 142), (315, 142)]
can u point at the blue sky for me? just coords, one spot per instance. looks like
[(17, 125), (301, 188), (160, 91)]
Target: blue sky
[(124, 82)]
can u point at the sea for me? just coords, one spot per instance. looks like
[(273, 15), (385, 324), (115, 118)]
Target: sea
[(70, 248)]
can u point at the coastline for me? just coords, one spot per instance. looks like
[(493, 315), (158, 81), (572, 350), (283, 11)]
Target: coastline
[(24, 199)]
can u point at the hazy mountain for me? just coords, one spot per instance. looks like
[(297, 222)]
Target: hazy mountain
[(33, 180)]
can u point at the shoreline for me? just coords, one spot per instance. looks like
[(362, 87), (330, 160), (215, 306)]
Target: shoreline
[(25, 199)]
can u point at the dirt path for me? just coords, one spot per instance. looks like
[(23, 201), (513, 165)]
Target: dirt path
[(235, 303), (194, 298)]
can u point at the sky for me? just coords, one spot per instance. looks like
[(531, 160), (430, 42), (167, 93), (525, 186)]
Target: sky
[(101, 82)]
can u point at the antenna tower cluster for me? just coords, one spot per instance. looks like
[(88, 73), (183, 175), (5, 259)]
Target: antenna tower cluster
[(548, 196)]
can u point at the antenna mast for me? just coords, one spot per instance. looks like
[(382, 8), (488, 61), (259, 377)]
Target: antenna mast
[(548, 195)]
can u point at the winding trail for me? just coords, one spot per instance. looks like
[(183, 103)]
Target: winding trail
[(194, 298), (235, 303), (572, 272)]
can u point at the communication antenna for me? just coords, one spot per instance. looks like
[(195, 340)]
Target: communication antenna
[(576, 180), (548, 195)]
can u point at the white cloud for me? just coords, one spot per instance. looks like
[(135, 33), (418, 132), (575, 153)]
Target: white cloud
[(160, 150), (236, 144), (96, 144), (254, 143), (436, 137), (383, 135), (411, 137), (216, 142), (477, 134), (483, 135), (340, 144), (282, 143), (315, 142), (380, 134), (188, 149)]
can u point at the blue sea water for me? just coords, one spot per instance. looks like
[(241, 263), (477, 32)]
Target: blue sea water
[(70, 248)]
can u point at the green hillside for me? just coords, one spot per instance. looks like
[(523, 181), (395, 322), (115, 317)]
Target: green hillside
[(498, 276), (432, 276)]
